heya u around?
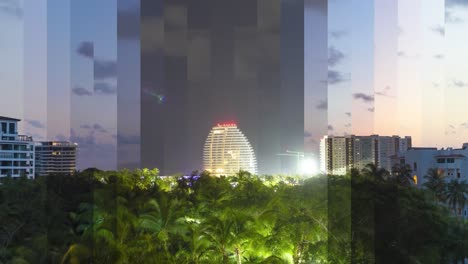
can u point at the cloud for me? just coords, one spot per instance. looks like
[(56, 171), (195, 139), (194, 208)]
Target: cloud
[(384, 92), (105, 69), (334, 56), (348, 114), (347, 125), (338, 34), (364, 97), (438, 30), (371, 109), (128, 139), (330, 128), (99, 128), (104, 88), (452, 19), (11, 8), (86, 49), (83, 141), (323, 105), (459, 83), (439, 56), (35, 123), (464, 125), (80, 91), (335, 77), (463, 3), (95, 128), (307, 134)]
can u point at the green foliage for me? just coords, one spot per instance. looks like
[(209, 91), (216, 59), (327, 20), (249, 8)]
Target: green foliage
[(137, 217)]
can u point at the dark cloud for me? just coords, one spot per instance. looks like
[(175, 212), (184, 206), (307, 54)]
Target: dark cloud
[(452, 126), (438, 30), (452, 19), (464, 125), (86, 49), (323, 105), (35, 123), (366, 98), (80, 91), (439, 56), (99, 128), (307, 134), (104, 88), (128, 139), (348, 114), (451, 3), (85, 126), (384, 92), (334, 56), (330, 128), (371, 109), (105, 69), (11, 8), (61, 137), (335, 77), (338, 34), (459, 83), (401, 54), (83, 141)]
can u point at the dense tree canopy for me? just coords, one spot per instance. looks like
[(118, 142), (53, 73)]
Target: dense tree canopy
[(138, 217)]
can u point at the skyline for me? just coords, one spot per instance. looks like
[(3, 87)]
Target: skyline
[(60, 71)]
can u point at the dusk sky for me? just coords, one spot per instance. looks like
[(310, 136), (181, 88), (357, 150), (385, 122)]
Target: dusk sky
[(393, 67)]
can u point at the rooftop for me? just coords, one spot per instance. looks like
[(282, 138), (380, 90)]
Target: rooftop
[(9, 118)]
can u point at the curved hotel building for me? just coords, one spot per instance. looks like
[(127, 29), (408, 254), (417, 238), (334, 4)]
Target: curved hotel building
[(227, 151)]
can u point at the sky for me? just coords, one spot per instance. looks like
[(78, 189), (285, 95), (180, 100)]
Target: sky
[(388, 67)]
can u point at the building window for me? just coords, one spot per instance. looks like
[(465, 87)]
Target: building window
[(415, 166), (4, 127), (12, 128), (440, 160), (450, 160)]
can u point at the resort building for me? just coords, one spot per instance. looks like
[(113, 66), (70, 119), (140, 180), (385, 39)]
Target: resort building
[(55, 157), (16, 151), (227, 151)]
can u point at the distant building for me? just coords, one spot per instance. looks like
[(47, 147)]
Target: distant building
[(452, 164), (338, 155), (227, 151), (55, 157), (16, 151)]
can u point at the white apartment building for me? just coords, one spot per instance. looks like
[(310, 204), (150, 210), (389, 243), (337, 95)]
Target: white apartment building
[(340, 154), (451, 164), (16, 151)]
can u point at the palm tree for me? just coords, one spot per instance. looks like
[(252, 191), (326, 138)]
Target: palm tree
[(373, 172), (456, 194), (435, 182), (403, 174)]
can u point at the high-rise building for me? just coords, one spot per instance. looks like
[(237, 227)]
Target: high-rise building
[(55, 157), (227, 151), (340, 154), (16, 151)]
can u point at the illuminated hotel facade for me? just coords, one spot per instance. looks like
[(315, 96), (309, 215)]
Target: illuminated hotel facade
[(55, 158), (227, 151), (338, 155)]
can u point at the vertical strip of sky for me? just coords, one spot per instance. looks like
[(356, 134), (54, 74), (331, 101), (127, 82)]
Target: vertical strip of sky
[(35, 69), (58, 70), (409, 69), (432, 73), (385, 66), (340, 62), (128, 84), (362, 65), (315, 75), (456, 82), (11, 64)]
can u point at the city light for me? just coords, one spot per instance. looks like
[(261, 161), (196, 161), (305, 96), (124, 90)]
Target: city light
[(308, 166)]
